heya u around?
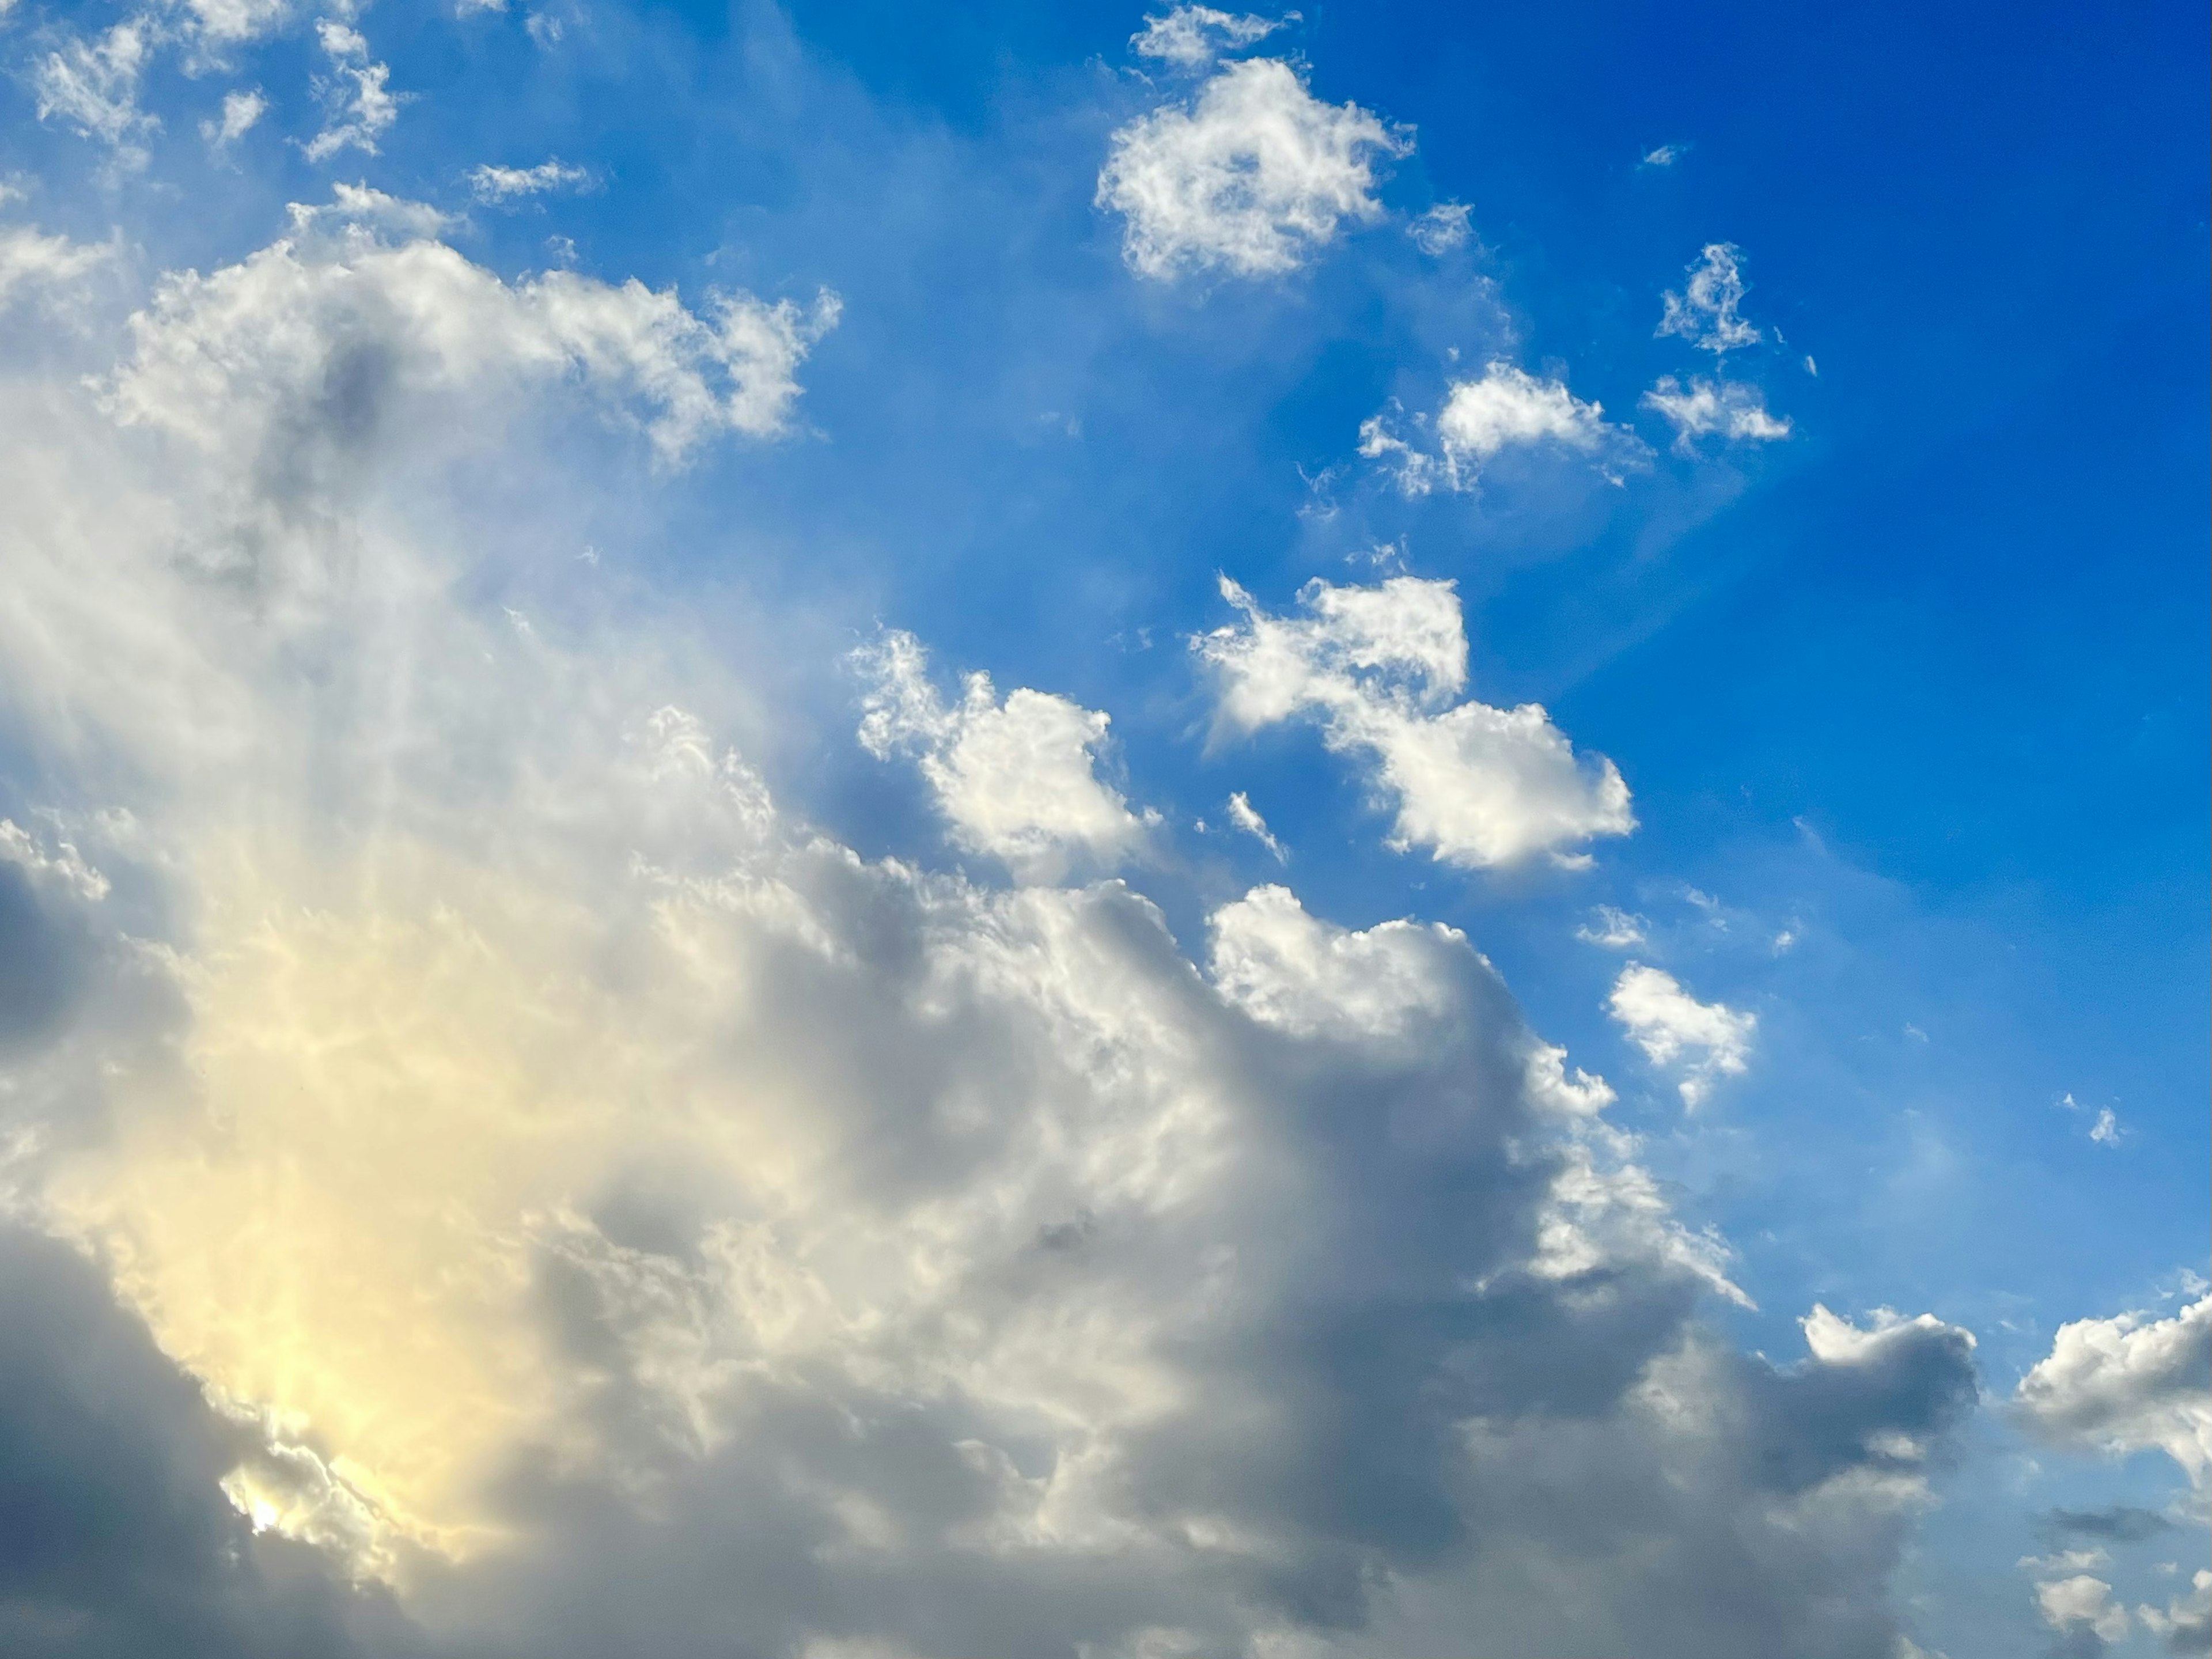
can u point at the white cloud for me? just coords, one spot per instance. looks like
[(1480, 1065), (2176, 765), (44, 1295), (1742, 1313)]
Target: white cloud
[(1194, 37), (1375, 666), (342, 289), (361, 104), (1664, 156), (1504, 408), (2106, 1131), (1705, 313), (538, 1168), (2185, 1623), (225, 22), (2128, 1383), (2081, 1602), (240, 110), (1736, 411), (1444, 227), (1250, 180), (1015, 778), (33, 263), (1614, 928), (493, 184), (1703, 1041), (93, 85), (1246, 817)]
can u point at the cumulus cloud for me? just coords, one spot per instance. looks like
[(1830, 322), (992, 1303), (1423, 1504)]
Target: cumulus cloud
[(1015, 778), (560, 1202), (1703, 1041), (1704, 311), (1664, 156), (1735, 411), (1250, 179), (494, 184), (2081, 1602), (368, 299), (1376, 668), (2185, 1623), (1502, 408), (2128, 1383), (1194, 37)]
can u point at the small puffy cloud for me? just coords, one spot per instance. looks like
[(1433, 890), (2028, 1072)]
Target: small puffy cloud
[(2128, 1383), (1705, 313), (2185, 1623), (1703, 1041), (1246, 817), (1502, 408), (1016, 778), (1444, 227), (495, 184), (250, 354), (2106, 1131), (1375, 667), (1193, 37), (2081, 1602), (1664, 156), (1729, 407), (1614, 928), (240, 110), (93, 85), (1249, 180)]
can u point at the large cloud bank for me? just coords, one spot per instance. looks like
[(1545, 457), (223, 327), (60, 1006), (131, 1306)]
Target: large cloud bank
[(556, 1201)]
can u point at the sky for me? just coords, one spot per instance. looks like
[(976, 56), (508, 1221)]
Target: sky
[(878, 832)]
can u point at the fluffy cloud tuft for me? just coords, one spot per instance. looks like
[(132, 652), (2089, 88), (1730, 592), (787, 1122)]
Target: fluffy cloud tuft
[(1016, 778), (1705, 1041), (1249, 180), (1504, 408), (1479, 786), (2128, 1383), (361, 304)]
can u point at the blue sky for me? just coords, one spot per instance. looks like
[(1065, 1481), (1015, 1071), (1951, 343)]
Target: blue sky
[(1905, 676)]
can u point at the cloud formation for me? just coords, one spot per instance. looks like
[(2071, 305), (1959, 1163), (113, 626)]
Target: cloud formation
[(1249, 179), (1194, 37), (1703, 1041), (1502, 408), (1704, 311), (1735, 411), (534, 1193), (1015, 778), (2128, 1383), (1375, 668)]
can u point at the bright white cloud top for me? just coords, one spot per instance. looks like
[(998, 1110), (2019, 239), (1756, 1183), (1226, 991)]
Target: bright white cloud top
[(1501, 408), (2129, 1383), (1193, 37), (1249, 180), (1704, 1042), (1377, 669), (1016, 779)]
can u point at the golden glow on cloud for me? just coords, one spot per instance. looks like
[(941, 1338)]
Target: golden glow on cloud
[(391, 1092)]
